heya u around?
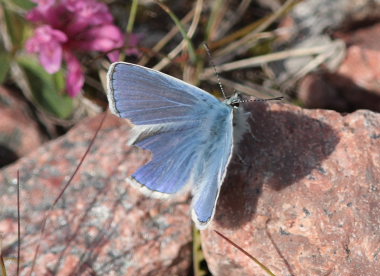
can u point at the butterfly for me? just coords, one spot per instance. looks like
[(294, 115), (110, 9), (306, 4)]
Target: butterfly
[(188, 131)]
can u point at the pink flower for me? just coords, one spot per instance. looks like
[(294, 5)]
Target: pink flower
[(69, 27), (48, 42)]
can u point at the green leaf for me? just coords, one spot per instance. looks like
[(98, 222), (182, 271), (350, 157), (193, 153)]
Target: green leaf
[(15, 24), (47, 88), (4, 65), (199, 262), (24, 4)]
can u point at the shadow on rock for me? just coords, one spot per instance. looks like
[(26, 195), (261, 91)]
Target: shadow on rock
[(286, 147)]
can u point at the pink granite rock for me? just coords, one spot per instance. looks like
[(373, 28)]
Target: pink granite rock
[(101, 226), (315, 91), (363, 54), (304, 200), (19, 133), (355, 84), (307, 200)]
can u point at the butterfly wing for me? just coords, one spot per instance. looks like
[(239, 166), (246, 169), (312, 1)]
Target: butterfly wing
[(149, 97), (174, 120), (210, 171), (174, 156)]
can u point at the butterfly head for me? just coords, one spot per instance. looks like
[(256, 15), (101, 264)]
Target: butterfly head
[(234, 100)]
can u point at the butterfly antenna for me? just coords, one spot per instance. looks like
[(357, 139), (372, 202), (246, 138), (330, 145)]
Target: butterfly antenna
[(262, 100), (216, 72)]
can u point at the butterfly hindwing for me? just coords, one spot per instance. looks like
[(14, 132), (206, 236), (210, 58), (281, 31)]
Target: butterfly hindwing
[(174, 155), (210, 172)]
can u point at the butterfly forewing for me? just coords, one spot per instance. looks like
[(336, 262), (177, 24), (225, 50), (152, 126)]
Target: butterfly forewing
[(146, 96)]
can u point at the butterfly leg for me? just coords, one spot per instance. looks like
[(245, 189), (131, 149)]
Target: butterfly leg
[(249, 130), (242, 160)]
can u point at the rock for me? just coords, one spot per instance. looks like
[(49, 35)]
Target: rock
[(306, 201), (315, 91), (363, 53), (355, 84), (314, 17), (358, 76), (100, 226), (19, 133), (345, 76)]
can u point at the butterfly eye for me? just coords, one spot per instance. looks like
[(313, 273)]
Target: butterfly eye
[(235, 104)]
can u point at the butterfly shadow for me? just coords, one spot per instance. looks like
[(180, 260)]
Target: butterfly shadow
[(286, 146)]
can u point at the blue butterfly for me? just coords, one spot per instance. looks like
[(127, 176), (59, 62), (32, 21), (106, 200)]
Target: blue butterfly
[(189, 132)]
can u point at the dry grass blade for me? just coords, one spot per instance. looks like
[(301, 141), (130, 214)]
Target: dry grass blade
[(180, 47), (190, 46), (335, 50), (251, 89), (218, 12), (231, 38), (267, 270), (2, 263), (258, 61), (132, 16), (240, 46), (234, 18), (198, 256), (169, 36), (18, 224), (62, 192)]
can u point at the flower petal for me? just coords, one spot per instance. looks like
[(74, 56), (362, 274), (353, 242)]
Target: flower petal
[(75, 75), (114, 56), (101, 38), (51, 57)]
